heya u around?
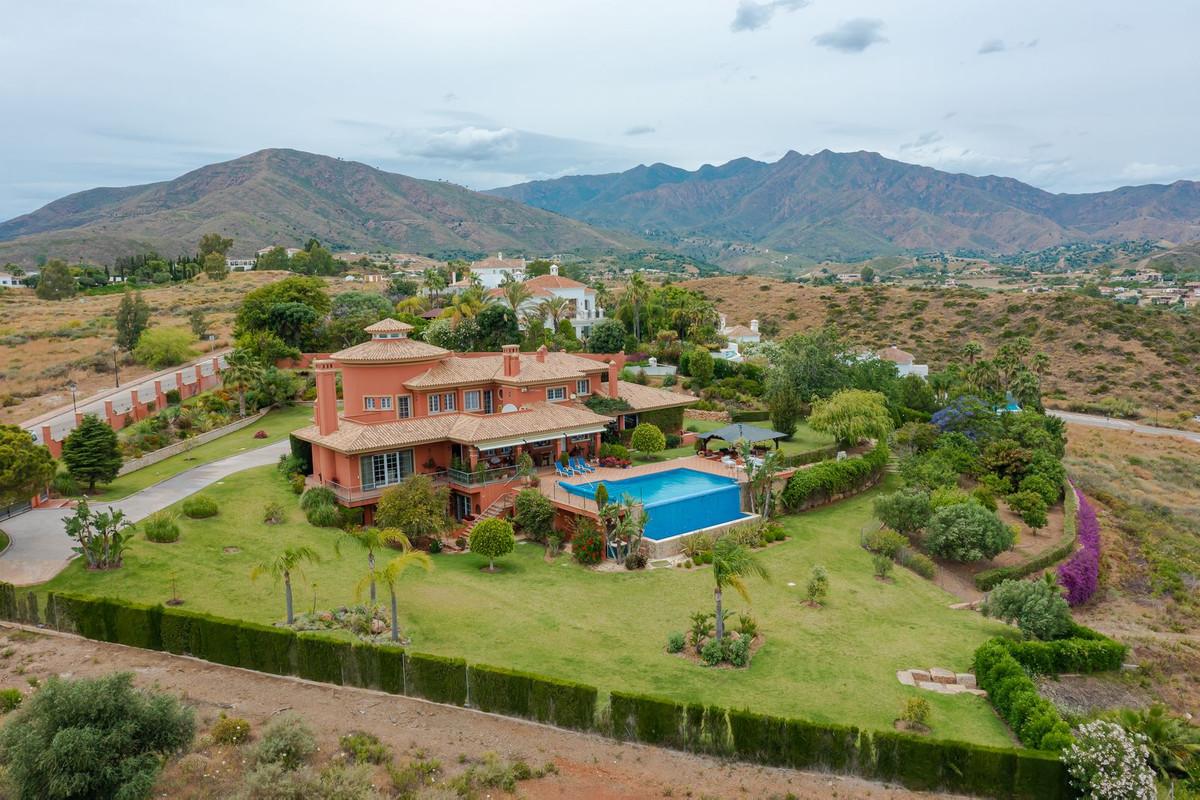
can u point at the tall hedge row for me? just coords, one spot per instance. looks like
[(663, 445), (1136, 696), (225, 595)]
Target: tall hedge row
[(916, 762), (822, 481), (1034, 719), (1085, 650)]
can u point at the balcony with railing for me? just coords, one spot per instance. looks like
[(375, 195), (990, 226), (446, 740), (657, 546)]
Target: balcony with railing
[(458, 477)]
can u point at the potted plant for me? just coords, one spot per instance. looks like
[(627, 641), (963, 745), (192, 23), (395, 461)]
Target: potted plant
[(525, 467)]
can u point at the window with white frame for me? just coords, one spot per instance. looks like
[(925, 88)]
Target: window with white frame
[(449, 401), (403, 406), (583, 386), (377, 402), (385, 469), (369, 404), (556, 393), (472, 401), (435, 403), (442, 402), (385, 403)]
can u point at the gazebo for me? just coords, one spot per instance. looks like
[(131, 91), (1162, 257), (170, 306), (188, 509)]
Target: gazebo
[(741, 431)]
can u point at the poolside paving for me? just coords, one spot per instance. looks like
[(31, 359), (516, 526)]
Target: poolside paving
[(40, 548)]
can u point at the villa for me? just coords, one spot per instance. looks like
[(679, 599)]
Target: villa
[(464, 418), (904, 361), (735, 336), (584, 312), (492, 272)]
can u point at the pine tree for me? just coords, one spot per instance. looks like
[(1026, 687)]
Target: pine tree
[(133, 317), (91, 452)]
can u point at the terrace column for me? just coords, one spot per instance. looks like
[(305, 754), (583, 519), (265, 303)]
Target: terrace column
[(179, 384), (216, 362), (160, 399), (110, 416), (78, 418), (54, 447), (134, 408)]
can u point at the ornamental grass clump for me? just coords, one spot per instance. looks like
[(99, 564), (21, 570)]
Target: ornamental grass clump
[(1081, 573), (200, 507)]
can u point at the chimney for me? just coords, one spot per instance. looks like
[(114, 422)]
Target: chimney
[(554, 269), (614, 371), (326, 411), (541, 354), (512, 359), (754, 325)]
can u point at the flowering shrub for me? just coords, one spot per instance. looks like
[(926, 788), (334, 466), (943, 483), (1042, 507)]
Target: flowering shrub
[(613, 462), (1107, 763), (260, 434), (1080, 574)]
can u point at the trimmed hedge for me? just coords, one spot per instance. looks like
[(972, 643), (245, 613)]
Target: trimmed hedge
[(916, 762), (1085, 651), (749, 416), (822, 481), (990, 579), (436, 678), (809, 456), (520, 694)]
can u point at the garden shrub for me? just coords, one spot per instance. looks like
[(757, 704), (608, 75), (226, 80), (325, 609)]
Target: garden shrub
[(712, 653), (613, 450), (317, 496), (10, 698), (230, 730), (882, 565), (492, 538), (1037, 607), (273, 513), (534, 514), (1083, 651), (287, 741), (966, 532), (199, 506), (587, 542), (1107, 762), (323, 516), (1080, 575), (828, 478), (738, 650), (885, 542), (675, 642), (297, 484), (364, 748), (916, 711), (160, 527), (906, 511), (92, 738), (1035, 720), (436, 678), (919, 563), (944, 496)]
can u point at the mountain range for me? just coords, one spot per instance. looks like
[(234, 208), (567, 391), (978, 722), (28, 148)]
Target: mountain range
[(826, 206), (849, 206), (285, 197)]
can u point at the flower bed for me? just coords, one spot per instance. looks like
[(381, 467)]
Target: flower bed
[(1081, 573)]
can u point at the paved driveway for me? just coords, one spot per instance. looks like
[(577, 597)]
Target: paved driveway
[(1123, 425), (41, 549)]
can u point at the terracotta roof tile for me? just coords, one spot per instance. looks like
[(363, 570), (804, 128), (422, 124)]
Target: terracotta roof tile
[(648, 398), (389, 325), (461, 370), (389, 351), (555, 282)]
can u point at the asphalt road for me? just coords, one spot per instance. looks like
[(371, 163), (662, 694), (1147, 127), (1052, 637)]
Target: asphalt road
[(1123, 425), (41, 548)]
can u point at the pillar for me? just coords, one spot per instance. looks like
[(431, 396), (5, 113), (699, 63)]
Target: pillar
[(135, 409), (110, 416), (78, 418), (179, 384), (54, 447), (160, 399), (216, 362)]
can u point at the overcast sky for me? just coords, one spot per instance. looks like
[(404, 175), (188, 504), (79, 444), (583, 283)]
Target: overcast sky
[(1069, 95)]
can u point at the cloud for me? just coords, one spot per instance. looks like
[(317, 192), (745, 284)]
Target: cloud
[(853, 36), (639, 130), (752, 15), (469, 143), (999, 46), (924, 140), (1145, 171)]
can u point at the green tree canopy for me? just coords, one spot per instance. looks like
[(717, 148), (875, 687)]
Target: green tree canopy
[(497, 327), (91, 452), (133, 317), (1036, 606), (492, 538), (966, 532), (647, 438), (216, 267), (606, 337), (851, 416), (256, 306), (415, 506), (214, 243), (275, 259), (163, 347), (55, 282), (906, 511), (25, 466), (534, 514)]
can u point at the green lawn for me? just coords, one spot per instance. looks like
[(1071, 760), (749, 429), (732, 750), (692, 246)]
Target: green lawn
[(606, 629), (802, 441), (278, 424)]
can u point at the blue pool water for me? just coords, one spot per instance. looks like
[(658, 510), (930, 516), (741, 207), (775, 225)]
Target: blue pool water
[(676, 501)]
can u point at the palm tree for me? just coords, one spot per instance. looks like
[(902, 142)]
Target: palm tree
[(282, 566), (731, 563), (971, 351), (603, 295), (516, 293), (390, 574), (1041, 364), (556, 310), (241, 372), (373, 539), (434, 280), (636, 295)]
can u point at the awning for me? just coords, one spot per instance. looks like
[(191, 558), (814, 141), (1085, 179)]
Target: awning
[(739, 431)]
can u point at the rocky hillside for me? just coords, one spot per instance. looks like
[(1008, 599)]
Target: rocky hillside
[(1098, 348), (286, 197), (849, 206)]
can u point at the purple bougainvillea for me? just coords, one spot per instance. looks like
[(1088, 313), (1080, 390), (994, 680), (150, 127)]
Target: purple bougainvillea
[(1081, 572)]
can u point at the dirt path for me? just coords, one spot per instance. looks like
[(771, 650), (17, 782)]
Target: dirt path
[(587, 766)]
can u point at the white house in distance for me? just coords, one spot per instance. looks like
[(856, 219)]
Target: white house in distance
[(903, 361), (8, 279), (240, 264), (492, 272), (736, 336), (583, 312)]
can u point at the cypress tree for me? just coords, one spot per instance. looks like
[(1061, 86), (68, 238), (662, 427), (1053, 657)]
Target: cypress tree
[(133, 317), (91, 452)]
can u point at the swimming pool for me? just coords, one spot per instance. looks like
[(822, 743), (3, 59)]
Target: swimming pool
[(676, 501)]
